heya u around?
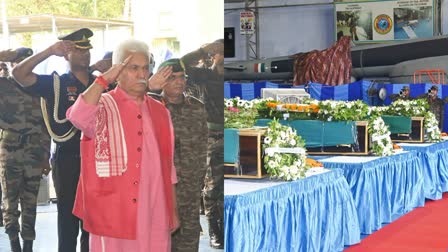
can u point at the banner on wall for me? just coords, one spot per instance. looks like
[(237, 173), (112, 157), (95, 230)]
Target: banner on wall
[(247, 22), (377, 21)]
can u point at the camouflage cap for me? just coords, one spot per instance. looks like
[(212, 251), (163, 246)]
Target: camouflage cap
[(22, 53), (434, 87), (405, 88), (177, 64), (80, 37)]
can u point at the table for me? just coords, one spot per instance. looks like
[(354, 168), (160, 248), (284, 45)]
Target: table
[(313, 214), (434, 157), (384, 188)]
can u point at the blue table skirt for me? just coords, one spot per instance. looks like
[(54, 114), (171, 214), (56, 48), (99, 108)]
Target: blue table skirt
[(313, 214), (384, 188), (435, 163)]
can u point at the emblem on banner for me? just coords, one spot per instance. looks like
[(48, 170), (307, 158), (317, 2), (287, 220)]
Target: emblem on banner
[(383, 24)]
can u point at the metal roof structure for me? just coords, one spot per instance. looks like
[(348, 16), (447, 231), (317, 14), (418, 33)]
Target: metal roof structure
[(54, 23)]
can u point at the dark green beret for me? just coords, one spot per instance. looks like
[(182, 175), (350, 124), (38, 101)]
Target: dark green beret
[(176, 64)]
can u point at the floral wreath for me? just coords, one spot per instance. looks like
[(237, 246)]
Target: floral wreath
[(285, 155), (432, 127), (239, 113), (380, 135)]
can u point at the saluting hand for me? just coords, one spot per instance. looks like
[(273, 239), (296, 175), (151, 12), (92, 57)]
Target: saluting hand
[(159, 80), (62, 48), (102, 65), (112, 74), (213, 48), (8, 55)]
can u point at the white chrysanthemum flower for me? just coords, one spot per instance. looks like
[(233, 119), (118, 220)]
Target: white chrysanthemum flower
[(229, 104), (292, 142), (294, 170), (248, 105), (267, 140), (282, 135), (240, 103)]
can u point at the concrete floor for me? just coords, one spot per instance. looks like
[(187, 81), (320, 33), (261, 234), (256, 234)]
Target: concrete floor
[(46, 232)]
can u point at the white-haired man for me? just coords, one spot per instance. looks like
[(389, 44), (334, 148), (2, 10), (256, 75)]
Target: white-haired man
[(126, 195)]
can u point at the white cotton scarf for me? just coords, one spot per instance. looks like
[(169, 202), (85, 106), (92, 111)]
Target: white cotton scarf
[(110, 143)]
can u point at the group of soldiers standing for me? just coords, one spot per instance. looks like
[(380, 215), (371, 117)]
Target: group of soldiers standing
[(25, 141), (436, 105)]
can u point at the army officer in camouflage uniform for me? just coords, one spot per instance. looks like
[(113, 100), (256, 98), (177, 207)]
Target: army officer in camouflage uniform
[(435, 104), (212, 80), (189, 120), (24, 147)]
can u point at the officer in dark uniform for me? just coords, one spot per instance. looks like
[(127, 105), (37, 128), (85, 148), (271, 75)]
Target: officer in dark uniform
[(212, 79), (59, 93), (189, 120)]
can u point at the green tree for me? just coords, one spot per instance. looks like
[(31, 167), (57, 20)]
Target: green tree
[(107, 9)]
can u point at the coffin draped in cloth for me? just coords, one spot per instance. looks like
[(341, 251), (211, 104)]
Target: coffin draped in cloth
[(231, 145), (320, 133), (398, 124)]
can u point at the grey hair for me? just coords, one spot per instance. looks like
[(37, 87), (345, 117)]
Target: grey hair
[(131, 45)]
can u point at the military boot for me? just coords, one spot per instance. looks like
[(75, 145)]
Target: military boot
[(201, 206), (216, 236), (27, 246), (1, 215), (15, 245)]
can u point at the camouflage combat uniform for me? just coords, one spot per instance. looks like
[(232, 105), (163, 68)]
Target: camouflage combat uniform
[(396, 97), (190, 159), (436, 107), (213, 84), (24, 147)]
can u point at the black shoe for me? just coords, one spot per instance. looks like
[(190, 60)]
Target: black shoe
[(201, 207), (27, 246), (1, 223), (15, 245), (215, 242), (215, 234)]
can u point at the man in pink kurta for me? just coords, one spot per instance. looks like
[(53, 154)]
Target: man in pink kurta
[(132, 209)]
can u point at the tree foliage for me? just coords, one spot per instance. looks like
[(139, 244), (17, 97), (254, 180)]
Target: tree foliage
[(107, 9), (112, 9)]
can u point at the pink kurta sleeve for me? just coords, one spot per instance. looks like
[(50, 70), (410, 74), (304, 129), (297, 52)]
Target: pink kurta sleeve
[(83, 115)]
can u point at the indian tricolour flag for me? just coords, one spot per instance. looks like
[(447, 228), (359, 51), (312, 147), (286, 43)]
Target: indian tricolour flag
[(259, 68)]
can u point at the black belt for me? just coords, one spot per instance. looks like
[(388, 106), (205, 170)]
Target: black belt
[(12, 136)]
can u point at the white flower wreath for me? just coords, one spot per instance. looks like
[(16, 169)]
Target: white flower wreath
[(432, 127), (380, 134), (285, 155)]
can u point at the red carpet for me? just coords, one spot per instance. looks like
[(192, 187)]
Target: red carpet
[(424, 229)]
